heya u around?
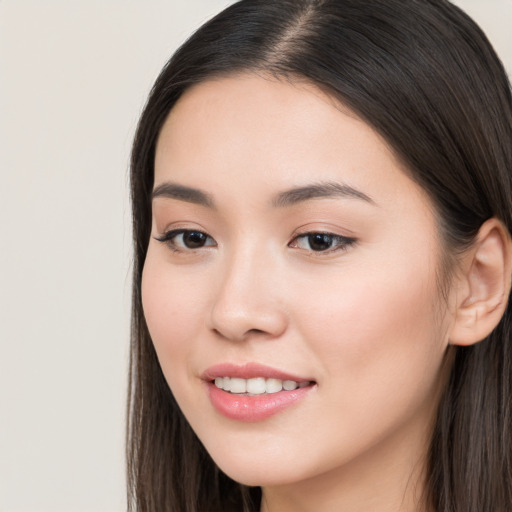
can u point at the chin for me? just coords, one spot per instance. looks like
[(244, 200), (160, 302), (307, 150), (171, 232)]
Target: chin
[(259, 470), (257, 477)]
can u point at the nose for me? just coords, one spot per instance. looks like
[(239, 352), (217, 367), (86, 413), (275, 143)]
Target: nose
[(248, 300)]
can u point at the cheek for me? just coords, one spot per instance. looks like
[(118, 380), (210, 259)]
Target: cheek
[(174, 305), (378, 333), (171, 308)]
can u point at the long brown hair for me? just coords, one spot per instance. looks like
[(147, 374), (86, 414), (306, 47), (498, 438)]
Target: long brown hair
[(425, 76)]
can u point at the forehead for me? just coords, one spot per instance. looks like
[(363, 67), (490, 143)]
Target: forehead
[(252, 132), (244, 98)]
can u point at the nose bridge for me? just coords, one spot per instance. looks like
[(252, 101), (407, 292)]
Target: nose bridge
[(247, 298)]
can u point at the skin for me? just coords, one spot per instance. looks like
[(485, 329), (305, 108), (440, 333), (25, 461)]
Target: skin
[(364, 320)]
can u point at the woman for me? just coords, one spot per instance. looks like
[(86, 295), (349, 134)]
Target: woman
[(322, 213)]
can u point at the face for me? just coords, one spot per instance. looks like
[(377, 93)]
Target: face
[(290, 285)]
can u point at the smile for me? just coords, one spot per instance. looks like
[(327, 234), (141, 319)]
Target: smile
[(253, 392), (256, 385)]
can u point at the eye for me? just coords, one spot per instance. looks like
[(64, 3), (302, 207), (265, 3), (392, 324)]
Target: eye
[(322, 242), (186, 239)]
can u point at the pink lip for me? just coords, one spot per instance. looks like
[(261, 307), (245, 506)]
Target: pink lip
[(252, 408), (249, 371)]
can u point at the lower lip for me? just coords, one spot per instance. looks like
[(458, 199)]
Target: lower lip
[(254, 408)]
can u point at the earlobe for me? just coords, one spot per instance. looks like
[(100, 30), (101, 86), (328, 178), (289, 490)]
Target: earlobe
[(487, 281)]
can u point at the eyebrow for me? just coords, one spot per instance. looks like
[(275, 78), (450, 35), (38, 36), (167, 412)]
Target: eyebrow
[(287, 198), (319, 190), (182, 193)]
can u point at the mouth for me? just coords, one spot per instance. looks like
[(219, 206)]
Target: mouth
[(253, 392), (257, 385)]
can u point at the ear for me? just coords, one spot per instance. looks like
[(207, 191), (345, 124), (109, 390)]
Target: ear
[(484, 285)]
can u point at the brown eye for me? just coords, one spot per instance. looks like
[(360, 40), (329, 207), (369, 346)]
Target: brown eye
[(194, 239), (322, 242), (185, 239)]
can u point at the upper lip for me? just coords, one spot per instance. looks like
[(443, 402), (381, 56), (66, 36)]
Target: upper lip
[(249, 371)]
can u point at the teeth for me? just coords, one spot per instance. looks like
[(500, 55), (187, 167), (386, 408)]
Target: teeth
[(273, 385), (290, 385), (238, 385), (257, 385)]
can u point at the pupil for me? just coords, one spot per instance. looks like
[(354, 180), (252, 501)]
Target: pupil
[(194, 239), (320, 242)]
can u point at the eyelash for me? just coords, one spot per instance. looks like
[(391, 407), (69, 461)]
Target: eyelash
[(169, 239), (341, 243)]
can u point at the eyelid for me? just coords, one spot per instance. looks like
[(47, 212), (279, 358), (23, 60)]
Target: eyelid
[(344, 242), (337, 243), (168, 238)]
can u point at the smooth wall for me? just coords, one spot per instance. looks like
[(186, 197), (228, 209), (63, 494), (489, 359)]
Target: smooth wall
[(74, 75)]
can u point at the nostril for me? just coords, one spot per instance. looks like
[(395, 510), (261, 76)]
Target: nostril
[(255, 331), (250, 332)]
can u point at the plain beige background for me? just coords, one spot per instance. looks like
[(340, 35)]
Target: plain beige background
[(74, 75)]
